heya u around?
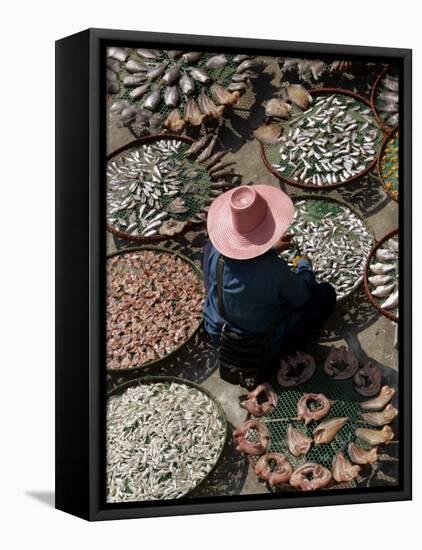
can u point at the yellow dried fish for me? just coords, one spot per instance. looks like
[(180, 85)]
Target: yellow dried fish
[(174, 121), (343, 470), (385, 395), (361, 456), (299, 96)]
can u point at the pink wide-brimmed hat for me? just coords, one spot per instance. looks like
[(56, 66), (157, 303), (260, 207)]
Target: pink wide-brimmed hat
[(247, 221)]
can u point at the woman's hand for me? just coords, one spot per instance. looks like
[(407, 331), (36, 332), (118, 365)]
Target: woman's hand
[(284, 243)]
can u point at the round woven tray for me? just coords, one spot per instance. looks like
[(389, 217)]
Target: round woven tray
[(346, 403), (373, 301), (311, 187), (380, 157), (159, 379), (314, 196), (373, 99), (157, 362), (138, 143)]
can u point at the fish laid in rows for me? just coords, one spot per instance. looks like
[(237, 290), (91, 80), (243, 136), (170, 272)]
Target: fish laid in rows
[(296, 369), (341, 363), (297, 442), (326, 431), (387, 99), (260, 409), (343, 470), (308, 414), (382, 417), (379, 402), (242, 438), (362, 456), (274, 476), (310, 476), (367, 380), (375, 437)]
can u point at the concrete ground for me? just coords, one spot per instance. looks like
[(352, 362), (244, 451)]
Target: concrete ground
[(356, 322)]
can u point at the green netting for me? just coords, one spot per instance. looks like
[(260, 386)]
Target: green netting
[(191, 172), (222, 76), (345, 404), (359, 111)]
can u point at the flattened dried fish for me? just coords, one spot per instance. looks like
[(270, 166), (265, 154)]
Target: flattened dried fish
[(361, 456), (260, 409), (305, 413), (200, 75), (171, 75), (240, 436), (134, 80), (341, 363), (380, 418), (299, 96), (268, 134), (326, 431), (157, 71), (171, 96), (310, 476), (174, 121), (384, 396), (193, 114), (138, 92), (298, 443), (296, 369), (343, 470), (153, 100), (208, 107), (277, 476), (375, 437), (187, 84), (216, 62), (222, 96), (367, 380)]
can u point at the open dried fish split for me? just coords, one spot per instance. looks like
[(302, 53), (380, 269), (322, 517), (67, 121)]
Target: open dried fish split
[(296, 369), (379, 402), (308, 414), (367, 380), (310, 476), (260, 409), (341, 363), (281, 472), (298, 443), (375, 437), (343, 470), (362, 456), (243, 442), (382, 417), (326, 431)]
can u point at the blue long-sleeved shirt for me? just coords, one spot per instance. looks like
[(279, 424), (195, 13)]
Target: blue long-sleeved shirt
[(256, 292)]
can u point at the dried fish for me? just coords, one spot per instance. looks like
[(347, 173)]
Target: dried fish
[(298, 443), (208, 107), (206, 153), (193, 114), (299, 96), (362, 456), (268, 133), (171, 75), (174, 121), (392, 301), (138, 92), (187, 84), (148, 54), (281, 472), (251, 402), (367, 380), (241, 435), (310, 476), (198, 145), (136, 66), (157, 71), (296, 369), (191, 57), (153, 100), (216, 62), (277, 108), (379, 402), (326, 431), (172, 227), (375, 437), (171, 96), (343, 470), (200, 75), (224, 97), (309, 413), (380, 418), (341, 363), (134, 79)]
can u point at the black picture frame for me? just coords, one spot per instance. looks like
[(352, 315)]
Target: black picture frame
[(80, 276)]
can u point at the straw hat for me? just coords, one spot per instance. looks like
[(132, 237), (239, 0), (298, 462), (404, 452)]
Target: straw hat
[(247, 221)]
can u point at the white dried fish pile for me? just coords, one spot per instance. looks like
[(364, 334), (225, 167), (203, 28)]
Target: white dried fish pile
[(331, 142), (154, 304), (383, 278), (175, 88), (150, 185), (387, 99), (338, 243), (162, 440)]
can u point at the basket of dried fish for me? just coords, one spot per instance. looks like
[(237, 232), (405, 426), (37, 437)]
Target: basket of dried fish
[(158, 186), (388, 164), (171, 89), (382, 276), (317, 434), (154, 306), (336, 238), (327, 137), (164, 438), (385, 98)]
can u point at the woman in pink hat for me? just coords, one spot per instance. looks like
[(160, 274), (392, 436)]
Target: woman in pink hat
[(259, 293)]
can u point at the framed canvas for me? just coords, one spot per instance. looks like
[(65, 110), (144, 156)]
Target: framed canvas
[(233, 236)]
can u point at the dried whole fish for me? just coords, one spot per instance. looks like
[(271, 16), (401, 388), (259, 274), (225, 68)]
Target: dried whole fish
[(171, 75), (392, 301), (138, 92), (242, 443), (171, 96), (193, 114), (136, 66), (187, 84), (375, 437), (206, 153), (174, 121), (134, 80), (341, 363), (361, 456), (367, 380), (148, 54), (304, 411), (298, 443), (200, 75), (172, 227), (153, 100), (281, 472), (166, 315), (326, 431), (208, 107), (120, 54), (260, 409), (277, 108), (162, 440), (191, 57), (268, 133), (343, 470), (177, 206), (310, 476), (299, 96), (196, 147), (387, 99), (380, 418), (222, 96), (379, 402), (296, 369), (216, 62)]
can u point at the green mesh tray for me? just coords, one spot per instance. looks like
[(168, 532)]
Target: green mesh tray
[(346, 403), (195, 200), (222, 76)]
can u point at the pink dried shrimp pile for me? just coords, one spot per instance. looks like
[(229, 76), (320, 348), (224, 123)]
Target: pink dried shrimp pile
[(154, 303)]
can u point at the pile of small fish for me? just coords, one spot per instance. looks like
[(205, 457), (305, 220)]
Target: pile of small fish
[(383, 278), (115, 57), (389, 166), (387, 99), (311, 70), (154, 304), (175, 88), (156, 189), (162, 440), (329, 143), (338, 243)]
